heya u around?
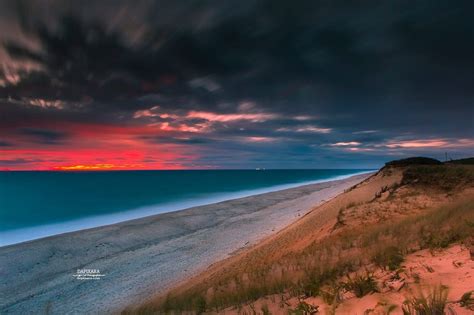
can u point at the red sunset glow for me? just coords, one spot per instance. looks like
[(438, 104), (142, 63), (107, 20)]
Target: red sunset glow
[(95, 147)]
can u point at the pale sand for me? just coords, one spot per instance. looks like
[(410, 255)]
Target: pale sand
[(143, 257), (451, 267)]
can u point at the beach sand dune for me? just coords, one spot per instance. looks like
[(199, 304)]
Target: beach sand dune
[(395, 236), (140, 257)]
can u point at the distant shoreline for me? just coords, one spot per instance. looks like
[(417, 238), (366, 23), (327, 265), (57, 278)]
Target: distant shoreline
[(17, 236), (147, 255)]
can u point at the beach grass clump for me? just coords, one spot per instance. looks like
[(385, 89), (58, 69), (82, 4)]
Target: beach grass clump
[(265, 310), (432, 302), (445, 177), (432, 230), (390, 258), (361, 284), (339, 219), (313, 282), (467, 300), (311, 285), (442, 239), (303, 308), (331, 293), (200, 305)]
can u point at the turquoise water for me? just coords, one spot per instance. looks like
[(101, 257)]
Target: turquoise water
[(38, 204)]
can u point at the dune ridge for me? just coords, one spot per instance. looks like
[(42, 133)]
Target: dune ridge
[(322, 261)]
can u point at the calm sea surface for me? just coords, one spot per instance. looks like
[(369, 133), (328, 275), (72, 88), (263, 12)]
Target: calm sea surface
[(38, 204)]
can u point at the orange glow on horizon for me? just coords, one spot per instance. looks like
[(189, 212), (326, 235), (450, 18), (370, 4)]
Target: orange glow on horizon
[(95, 147), (119, 154), (98, 167)]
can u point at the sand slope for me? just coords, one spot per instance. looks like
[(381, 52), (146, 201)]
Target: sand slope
[(316, 224), (282, 260), (452, 267)]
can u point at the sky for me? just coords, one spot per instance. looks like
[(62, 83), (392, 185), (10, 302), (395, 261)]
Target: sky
[(116, 85)]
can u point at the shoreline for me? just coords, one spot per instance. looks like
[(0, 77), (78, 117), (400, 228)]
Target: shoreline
[(146, 256), (26, 234)]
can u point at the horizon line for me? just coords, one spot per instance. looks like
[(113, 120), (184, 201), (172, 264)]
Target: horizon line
[(184, 169)]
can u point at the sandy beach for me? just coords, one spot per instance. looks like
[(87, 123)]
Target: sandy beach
[(143, 257)]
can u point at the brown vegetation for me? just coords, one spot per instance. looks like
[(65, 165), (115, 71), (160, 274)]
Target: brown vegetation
[(333, 252)]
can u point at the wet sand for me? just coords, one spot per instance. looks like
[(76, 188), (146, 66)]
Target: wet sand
[(141, 258)]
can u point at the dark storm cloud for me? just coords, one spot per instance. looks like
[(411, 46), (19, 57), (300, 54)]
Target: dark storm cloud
[(5, 143), (177, 140), (398, 68), (44, 136), (18, 161)]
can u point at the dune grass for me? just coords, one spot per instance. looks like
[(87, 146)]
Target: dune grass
[(445, 177), (361, 284), (467, 300), (322, 268), (432, 302)]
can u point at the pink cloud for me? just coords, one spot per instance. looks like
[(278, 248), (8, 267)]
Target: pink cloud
[(259, 139), (165, 126), (255, 117), (344, 144), (360, 149), (314, 129), (304, 117), (435, 143), (429, 143), (146, 112), (210, 116)]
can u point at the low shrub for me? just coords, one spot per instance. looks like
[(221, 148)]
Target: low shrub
[(390, 257), (265, 310), (431, 303), (361, 284), (414, 161), (444, 177), (467, 300), (438, 239), (303, 308), (200, 305), (330, 293)]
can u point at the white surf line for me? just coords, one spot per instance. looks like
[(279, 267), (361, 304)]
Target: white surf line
[(16, 236)]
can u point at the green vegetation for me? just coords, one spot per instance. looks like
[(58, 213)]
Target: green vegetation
[(303, 308), (331, 293), (265, 310), (414, 161), (200, 305), (433, 303), (467, 161), (445, 177), (361, 285), (390, 257), (467, 300)]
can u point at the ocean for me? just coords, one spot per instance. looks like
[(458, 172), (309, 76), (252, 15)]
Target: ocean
[(40, 204)]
